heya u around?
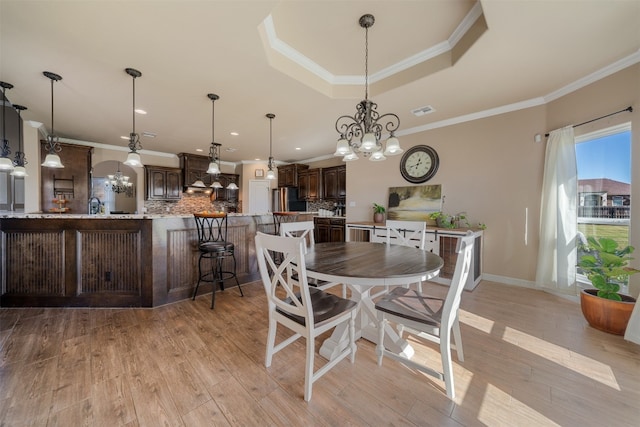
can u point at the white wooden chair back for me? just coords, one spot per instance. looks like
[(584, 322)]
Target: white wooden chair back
[(407, 233), (302, 229), (464, 249), (279, 277)]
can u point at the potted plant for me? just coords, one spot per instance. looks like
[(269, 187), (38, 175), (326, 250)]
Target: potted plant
[(606, 266), (378, 213)]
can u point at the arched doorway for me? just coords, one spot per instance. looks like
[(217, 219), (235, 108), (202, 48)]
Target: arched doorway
[(117, 202)]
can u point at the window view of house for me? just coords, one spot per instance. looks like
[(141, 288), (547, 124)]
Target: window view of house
[(604, 183)]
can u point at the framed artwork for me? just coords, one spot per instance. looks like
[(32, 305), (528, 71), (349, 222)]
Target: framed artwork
[(414, 203), (259, 173)]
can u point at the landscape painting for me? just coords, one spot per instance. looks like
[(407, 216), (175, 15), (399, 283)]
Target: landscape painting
[(414, 203)]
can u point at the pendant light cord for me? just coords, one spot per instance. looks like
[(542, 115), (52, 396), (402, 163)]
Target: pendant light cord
[(4, 105), (366, 63), (134, 104), (52, 131)]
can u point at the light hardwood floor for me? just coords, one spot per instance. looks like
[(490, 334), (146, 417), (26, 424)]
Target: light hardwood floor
[(530, 360)]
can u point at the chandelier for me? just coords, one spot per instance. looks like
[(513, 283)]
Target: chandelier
[(20, 160), (118, 183), (361, 133), (52, 145), (133, 158), (5, 161), (271, 173)]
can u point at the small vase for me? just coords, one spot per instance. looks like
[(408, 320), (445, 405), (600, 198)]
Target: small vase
[(378, 218)]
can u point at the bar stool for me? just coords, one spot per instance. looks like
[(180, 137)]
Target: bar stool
[(213, 245), (280, 217)]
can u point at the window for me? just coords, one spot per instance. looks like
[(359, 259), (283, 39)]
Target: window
[(604, 184)]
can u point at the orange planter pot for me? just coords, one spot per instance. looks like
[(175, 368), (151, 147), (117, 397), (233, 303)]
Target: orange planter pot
[(604, 314)]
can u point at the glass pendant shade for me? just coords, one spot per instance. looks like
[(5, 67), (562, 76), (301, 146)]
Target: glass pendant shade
[(198, 183), (232, 186), (52, 161), (342, 148), (6, 163), (271, 174), (19, 171), (216, 184), (350, 157), (133, 159), (213, 168), (368, 142), (377, 156), (393, 147)]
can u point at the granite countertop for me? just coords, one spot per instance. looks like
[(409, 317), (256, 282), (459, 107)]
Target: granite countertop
[(42, 215)]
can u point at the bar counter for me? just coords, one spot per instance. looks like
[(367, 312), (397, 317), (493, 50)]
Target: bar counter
[(63, 260)]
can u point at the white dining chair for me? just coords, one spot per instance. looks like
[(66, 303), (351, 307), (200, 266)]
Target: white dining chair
[(407, 233), (307, 311), (429, 318), (305, 230)]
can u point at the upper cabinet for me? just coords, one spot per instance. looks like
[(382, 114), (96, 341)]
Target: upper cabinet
[(334, 183), (194, 167), (309, 187), (70, 184), (163, 183), (288, 174)]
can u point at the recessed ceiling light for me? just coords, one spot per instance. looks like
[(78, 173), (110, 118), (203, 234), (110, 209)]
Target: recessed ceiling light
[(298, 148), (139, 111), (199, 150), (230, 149), (257, 158), (234, 133)]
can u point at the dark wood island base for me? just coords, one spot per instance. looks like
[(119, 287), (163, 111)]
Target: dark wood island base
[(98, 261)]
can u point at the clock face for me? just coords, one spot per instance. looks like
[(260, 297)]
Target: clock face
[(419, 164)]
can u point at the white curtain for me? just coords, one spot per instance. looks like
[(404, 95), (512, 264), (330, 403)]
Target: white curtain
[(558, 221)]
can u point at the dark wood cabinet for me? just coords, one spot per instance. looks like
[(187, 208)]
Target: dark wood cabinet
[(334, 183), (194, 167), (309, 184), (71, 183), (163, 183), (224, 194), (288, 174), (329, 229)]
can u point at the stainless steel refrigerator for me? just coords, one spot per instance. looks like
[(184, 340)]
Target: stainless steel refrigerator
[(285, 199)]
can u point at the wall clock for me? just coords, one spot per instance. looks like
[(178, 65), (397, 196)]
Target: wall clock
[(419, 164)]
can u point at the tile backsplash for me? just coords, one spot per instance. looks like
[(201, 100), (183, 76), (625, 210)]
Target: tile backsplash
[(188, 204)]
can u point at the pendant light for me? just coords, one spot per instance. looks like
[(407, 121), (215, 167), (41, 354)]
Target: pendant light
[(52, 160), (133, 158), (5, 161), (214, 149), (362, 131), (20, 160), (271, 173)]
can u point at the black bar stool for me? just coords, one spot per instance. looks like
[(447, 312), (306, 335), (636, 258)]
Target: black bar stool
[(213, 245), (280, 217)]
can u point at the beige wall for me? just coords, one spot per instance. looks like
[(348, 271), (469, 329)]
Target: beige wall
[(492, 170)]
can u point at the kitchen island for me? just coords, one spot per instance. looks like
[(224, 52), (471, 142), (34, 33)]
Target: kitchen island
[(62, 260)]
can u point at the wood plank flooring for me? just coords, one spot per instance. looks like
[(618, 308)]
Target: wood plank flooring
[(530, 360)]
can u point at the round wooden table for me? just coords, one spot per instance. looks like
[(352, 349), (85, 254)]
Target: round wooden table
[(363, 266)]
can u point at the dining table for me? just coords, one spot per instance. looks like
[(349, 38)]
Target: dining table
[(368, 269)]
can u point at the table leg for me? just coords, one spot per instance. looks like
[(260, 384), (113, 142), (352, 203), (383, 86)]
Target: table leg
[(366, 327)]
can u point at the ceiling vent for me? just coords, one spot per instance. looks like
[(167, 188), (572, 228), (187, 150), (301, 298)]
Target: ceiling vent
[(149, 134), (423, 110)]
